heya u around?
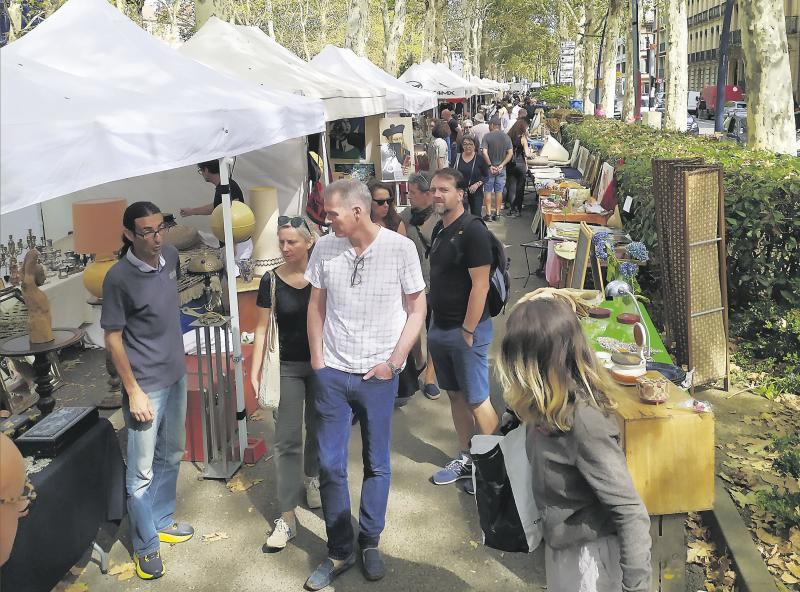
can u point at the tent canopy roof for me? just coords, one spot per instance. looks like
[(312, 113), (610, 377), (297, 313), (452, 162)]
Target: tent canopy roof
[(400, 97), (250, 54), (88, 97)]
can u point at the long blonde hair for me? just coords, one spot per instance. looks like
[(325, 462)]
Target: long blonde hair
[(545, 363)]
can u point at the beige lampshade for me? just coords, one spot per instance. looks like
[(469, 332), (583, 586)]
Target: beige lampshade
[(97, 225)]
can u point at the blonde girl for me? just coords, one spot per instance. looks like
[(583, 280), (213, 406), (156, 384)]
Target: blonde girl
[(596, 528)]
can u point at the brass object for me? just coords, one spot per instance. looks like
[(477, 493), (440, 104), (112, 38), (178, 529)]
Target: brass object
[(205, 263)]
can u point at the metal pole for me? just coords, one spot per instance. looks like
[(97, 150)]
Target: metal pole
[(637, 77), (233, 299), (324, 154), (722, 68), (597, 76)]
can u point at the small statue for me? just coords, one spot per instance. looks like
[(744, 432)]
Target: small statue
[(40, 325), (13, 272)]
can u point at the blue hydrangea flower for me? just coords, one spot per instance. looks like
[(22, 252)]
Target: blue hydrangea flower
[(628, 269), (599, 241), (637, 250)]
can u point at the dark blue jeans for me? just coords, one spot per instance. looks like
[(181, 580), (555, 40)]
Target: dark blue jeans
[(341, 396)]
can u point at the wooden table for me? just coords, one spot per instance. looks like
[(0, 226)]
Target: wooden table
[(20, 347), (669, 449), (559, 215)]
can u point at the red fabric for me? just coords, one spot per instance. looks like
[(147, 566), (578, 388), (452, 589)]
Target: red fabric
[(609, 201)]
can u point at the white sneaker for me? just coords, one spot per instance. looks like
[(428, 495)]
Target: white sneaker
[(313, 498), (281, 535)]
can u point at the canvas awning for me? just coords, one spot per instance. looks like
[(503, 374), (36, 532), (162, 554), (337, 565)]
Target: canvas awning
[(89, 97), (400, 97), (250, 54)]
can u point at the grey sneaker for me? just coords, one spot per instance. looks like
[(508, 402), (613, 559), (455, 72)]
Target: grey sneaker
[(313, 498), (459, 468), (281, 535)]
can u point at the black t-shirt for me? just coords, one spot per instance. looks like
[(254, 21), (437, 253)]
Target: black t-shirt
[(291, 313), (236, 193), (473, 174), (450, 279)]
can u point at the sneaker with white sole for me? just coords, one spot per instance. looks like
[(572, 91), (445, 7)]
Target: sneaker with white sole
[(459, 468), (281, 534), (313, 498)]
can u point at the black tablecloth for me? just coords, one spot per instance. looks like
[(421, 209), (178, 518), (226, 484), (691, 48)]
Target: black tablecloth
[(81, 488)]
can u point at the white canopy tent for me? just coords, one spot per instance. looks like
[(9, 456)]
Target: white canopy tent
[(452, 79), (88, 97), (98, 99), (424, 77), (484, 86), (400, 97), (250, 54)]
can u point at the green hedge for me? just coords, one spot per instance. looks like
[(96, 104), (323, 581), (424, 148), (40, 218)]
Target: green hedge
[(762, 201), (557, 95)]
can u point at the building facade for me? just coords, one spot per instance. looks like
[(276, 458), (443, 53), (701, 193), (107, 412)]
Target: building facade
[(705, 28)]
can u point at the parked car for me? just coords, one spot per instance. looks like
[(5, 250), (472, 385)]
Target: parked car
[(735, 127), (734, 107)]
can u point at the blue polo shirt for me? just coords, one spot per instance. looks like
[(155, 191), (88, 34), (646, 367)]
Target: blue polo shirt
[(142, 302)]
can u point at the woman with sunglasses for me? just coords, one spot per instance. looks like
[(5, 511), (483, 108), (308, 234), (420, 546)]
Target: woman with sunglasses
[(289, 297), (383, 212)]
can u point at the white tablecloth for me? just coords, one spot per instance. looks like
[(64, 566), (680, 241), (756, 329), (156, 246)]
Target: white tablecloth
[(68, 301)]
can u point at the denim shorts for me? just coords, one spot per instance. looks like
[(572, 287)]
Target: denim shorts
[(458, 366), (495, 183)]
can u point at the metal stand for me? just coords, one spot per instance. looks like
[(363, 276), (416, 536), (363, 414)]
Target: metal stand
[(221, 448)]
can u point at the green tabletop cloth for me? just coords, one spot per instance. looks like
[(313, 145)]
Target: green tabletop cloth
[(610, 327)]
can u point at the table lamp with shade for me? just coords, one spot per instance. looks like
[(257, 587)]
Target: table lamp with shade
[(97, 225)]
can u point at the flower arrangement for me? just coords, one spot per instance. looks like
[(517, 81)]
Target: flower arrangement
[(627, 270)]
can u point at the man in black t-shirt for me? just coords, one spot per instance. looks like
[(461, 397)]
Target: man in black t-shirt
[(210, 173), (461, 329)]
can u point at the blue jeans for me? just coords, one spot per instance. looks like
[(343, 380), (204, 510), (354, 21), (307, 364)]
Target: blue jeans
[(341, 396), (155, 450)]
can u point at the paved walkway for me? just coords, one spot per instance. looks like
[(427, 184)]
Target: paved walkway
[(432, 540)]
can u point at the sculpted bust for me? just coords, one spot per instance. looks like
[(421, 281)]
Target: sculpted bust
[(40, 325)]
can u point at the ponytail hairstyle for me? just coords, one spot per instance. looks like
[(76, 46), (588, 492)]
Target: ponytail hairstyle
[(138, 209)]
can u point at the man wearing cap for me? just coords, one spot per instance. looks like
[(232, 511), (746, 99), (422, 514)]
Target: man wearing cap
[(497, 150), (479, 130)]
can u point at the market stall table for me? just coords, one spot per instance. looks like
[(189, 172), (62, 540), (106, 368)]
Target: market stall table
[(20, 347), (80, 489), (669, 449)]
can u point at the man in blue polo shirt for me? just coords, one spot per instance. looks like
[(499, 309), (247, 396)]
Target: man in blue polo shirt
[(142, 332)]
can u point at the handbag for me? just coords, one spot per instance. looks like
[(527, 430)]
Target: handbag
[(269, 389), (503, 483)]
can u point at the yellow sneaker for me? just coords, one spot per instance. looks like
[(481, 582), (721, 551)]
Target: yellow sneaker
[(177, 532), (149, 567)]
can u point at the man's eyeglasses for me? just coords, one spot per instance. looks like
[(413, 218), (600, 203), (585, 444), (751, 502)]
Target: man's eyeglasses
[(27, 498), (294, 222), (383, 202), (150, 233), (358, 268)]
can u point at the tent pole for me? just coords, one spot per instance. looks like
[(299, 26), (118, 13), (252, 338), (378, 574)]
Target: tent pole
[(233, 299), (325, 163)]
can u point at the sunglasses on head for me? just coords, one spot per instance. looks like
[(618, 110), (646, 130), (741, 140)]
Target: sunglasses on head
[(383, 202), (294, 222)]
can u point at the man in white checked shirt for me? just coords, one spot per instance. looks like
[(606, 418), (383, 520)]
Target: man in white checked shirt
[(366, 311)]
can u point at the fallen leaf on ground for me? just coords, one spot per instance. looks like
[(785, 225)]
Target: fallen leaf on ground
[(241, 483), (766, 537), (794, 537), (123, 571), (76, 587), (788, 578), (699, 550), (214, 536), (794, 569), (473, 544)]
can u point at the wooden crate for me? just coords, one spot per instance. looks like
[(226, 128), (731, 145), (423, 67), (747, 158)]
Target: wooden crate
[(670, 452)]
